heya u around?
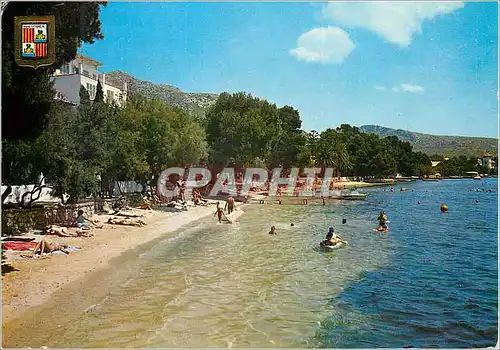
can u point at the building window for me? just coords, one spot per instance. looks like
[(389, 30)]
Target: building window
[(65, 69), (91, 88), (86, 73)]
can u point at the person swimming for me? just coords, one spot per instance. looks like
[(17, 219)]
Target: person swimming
[(292, 224), (273, 230), (332, 239)]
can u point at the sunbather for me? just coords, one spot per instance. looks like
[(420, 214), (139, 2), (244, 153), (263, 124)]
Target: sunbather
[(57, 231), (126, 222), (63, 232), (47, 247)]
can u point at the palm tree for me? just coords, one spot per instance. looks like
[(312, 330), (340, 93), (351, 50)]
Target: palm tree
[(330, 151)]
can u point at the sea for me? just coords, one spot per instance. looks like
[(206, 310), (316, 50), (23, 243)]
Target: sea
[(431, 281)]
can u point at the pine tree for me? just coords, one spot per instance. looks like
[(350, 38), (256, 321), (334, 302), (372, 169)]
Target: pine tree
[(99, 95), (84, 96)]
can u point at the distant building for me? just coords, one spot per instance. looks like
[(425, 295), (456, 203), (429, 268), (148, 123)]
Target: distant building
[(487, 162), (435, 163), (84, 71)]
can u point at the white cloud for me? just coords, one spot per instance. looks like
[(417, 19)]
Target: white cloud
[(325, 45), (380, 88), (412, 88), (405, 88), (397, 22)]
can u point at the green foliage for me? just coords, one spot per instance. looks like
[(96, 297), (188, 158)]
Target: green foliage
[(155, 136), (245, 130), (458, 166), (99, 93), (241, 129), (84, 96)]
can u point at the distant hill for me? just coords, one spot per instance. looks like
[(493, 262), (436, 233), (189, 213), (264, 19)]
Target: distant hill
[(195, 103), (448, 146)]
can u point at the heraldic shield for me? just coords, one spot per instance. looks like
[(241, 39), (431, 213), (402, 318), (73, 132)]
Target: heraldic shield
[(34, 41)]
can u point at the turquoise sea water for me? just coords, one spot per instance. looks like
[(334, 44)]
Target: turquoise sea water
[(430, 282)]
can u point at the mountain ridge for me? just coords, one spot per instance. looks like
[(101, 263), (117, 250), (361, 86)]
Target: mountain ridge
[(191, 102), (446, 145)]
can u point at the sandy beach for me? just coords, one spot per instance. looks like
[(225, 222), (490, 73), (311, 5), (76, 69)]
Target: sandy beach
[(33, 281)]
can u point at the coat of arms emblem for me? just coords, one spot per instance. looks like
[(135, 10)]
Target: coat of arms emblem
[(35, 36)]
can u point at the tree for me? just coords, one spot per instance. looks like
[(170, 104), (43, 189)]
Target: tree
[(241, 128), (99, 94), (331, 151), (84, 96), (290, 139), (28, 94)]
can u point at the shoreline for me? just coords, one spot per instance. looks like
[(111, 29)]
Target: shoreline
[(34, 281)]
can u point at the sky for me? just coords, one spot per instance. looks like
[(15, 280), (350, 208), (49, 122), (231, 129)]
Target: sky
[(428, 67)]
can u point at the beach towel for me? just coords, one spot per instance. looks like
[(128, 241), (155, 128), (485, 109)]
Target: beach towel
[(70, 248), (19, 245)]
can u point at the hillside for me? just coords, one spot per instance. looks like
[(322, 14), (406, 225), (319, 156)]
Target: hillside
[(195, 103), (448, 146)]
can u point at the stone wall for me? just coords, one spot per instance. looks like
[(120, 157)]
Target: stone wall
[(16, 221)]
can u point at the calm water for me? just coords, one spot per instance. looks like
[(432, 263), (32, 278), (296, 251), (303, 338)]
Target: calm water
[(432, 281)]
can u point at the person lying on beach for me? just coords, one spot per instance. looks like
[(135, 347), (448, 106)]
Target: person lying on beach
[(46, 247), (273, 231), (57, 231), (85, 224), (126, 222), (63, 232)]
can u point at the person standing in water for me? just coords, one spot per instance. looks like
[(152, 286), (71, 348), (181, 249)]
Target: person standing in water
[(382, 221), (230, 205), (219, 212), (273, 230)]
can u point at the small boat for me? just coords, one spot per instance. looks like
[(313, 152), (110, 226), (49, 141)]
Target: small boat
[(347, 195), (477, 177), (359, 196)]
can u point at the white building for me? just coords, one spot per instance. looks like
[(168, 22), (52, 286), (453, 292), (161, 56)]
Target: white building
[(487, 162), (84, 71)]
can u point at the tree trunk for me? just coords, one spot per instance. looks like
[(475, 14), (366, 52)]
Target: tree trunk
[(39, 190), (7, 192)]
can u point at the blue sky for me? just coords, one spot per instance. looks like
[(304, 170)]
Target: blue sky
[(425, 67)]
